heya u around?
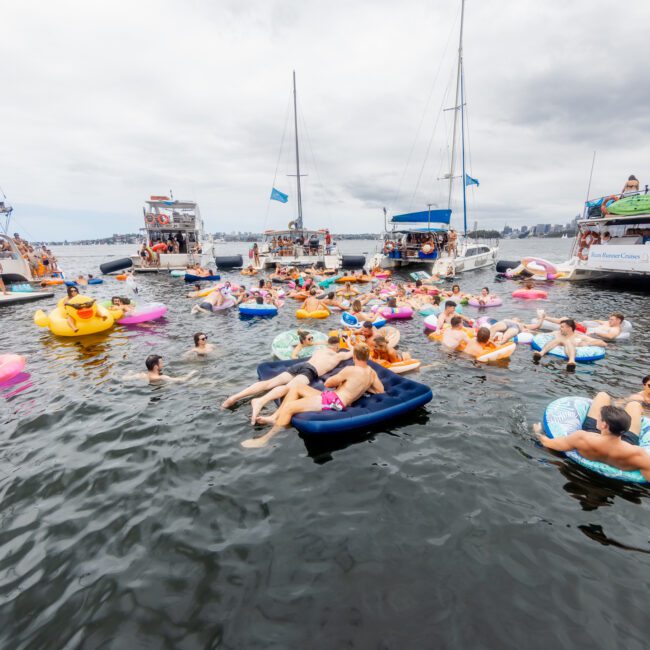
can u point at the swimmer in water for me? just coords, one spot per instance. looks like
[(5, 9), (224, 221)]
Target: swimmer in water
[(201, 346), (455, 337), (643, 396), (154, 365)]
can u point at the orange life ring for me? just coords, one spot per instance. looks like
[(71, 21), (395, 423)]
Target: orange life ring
[(603, 206), (389, 247), (163, 219), (160, 248), (150, 218)]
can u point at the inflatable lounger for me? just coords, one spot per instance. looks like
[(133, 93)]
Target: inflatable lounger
[(402, 396)]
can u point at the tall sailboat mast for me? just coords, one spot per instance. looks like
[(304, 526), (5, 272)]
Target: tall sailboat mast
[(457, 106), (295, 124)]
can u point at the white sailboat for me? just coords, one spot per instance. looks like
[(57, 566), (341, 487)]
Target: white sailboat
[(426, 237)]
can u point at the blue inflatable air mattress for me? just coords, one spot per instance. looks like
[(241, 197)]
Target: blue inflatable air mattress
[(201, 278), (402, 396)]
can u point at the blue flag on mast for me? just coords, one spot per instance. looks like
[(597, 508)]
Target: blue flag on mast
[(471, 181), (276, 195)]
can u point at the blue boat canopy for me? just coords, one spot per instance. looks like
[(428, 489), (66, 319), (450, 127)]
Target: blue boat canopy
[(434, 216)]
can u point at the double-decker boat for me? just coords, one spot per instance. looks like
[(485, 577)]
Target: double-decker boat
[(173, 237)]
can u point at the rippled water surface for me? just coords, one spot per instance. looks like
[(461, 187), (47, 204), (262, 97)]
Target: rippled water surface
[(131, 517)]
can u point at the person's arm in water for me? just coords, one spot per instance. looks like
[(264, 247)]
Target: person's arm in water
[(567, 443), (179, 380)]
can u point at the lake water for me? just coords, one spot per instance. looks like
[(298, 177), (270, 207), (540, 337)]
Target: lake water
[(131, 517)]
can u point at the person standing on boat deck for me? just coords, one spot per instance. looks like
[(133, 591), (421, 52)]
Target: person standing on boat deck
[(2, 284), (451, 245), (256, 254), (631, 185)]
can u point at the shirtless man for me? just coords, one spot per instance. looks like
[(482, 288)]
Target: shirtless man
[(643, 396), (453, 337), (331, 301), (154, 365), (451, 245), (609, 435), (448, 313), (342, 390), (567, 338), (609, 329), (201, 346), (300, 374), (383, 351), (312, 303), (369, 333), (119, 303), (476, 347), (209, 302)]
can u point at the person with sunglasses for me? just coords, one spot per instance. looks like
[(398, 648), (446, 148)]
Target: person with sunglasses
[(201, 346), (120, 303), (303, 373)]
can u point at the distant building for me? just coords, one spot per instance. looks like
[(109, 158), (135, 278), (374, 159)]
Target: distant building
[(507, 230)]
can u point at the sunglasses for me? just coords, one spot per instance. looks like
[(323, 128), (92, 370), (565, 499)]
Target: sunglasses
[(309, 338), (83, 305), (203, 338)]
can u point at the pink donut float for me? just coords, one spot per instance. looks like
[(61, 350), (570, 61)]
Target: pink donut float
[(431, 322), (530, 294), (492, 302), (10, 366), (399, 313), (145, 313)]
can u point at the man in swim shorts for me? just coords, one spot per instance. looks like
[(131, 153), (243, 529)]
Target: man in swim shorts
[(567, 338), (303, 373), (341, 390), (212, 300), (609, 435)]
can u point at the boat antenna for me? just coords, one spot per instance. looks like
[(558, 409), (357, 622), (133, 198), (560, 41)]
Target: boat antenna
[(6, 211), (462, 127), (456, 105), (295, 126), (593, 162)]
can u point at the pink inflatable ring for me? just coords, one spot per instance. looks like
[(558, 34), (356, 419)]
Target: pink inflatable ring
[(152, 311), (399, 313), (10, 366), (530, 294)]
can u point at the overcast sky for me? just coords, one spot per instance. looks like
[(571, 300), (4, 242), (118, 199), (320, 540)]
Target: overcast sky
[(105, 103)]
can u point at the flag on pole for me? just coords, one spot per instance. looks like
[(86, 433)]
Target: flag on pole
[(276, 195), (470, 181)]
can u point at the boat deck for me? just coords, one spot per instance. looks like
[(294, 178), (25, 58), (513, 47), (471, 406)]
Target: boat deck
[(15, 297)]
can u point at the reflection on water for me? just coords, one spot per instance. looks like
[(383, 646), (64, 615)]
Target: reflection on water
[(131, 517)]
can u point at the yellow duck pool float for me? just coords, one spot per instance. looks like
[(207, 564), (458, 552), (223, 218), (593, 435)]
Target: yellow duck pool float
[(81, 311)]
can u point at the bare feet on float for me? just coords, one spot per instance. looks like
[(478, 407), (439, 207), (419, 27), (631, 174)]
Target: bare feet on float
[(265, 419), (571, 366), (227, 403)]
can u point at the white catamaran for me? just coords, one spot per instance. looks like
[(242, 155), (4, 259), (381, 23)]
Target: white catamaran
[(426, 237), (297, 245)]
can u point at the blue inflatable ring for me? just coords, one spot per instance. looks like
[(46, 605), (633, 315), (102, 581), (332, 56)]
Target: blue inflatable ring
[(402, 396), (253, 309), (566, 415), (349, 320), (585, 354)]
